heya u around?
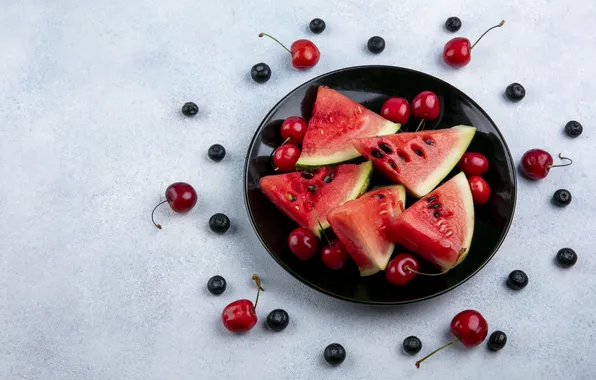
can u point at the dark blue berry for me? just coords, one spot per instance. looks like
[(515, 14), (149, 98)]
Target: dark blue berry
[(216, 152), (376, 44), (497, 340), (573, 128), (515, 92), (453, 24), (219, 223), (517, 280), (562, 197), (260, 73), (190, 109), (335, 354), (317, 25), (566, 257), (216, 285), (412, 345), (278, 320)]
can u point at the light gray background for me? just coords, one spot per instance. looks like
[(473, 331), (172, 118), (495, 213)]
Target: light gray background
[(91, 135)]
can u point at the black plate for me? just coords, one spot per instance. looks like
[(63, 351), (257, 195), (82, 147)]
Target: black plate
[(371, 85)]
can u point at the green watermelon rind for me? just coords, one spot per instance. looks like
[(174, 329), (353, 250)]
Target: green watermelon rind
[(341, 157), (467, 134), (464, 186)]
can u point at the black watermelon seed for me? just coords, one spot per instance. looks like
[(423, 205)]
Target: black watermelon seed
[(435, 206), (437, 214), (393, 164), (328, 178), (385, 148), (418, 152), (431, 199), (307, 175), (377, 153), (312, 189), (429, 142)]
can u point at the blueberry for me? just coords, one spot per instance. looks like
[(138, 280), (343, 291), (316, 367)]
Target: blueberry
[(566, 257), (190, 109), (278, 320), (497, 340), (216, 152), (317, 25), (453, 24), (412, 345), (376, 44), (515, 92), (562, 197), (517, 280), (573, 128), (260, 73), (219, 223), (216, 285), (335, 354)]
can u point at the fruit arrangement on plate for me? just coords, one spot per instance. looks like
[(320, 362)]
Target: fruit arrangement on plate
[(323, 182)]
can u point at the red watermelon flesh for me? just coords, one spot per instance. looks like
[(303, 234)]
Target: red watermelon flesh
[(335, 121), (360, 226), (438, 227), (418, 160), (295, 194)]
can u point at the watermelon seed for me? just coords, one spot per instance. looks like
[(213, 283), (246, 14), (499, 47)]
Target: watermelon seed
[(437, 214), (435, 205), (429, 141), (307, 175), (379, 196), (328, 178), (377, 153), (392, 164), (431, 199), (418, 152), (312, 189), (403, 157), (386, 148), (290, 197)]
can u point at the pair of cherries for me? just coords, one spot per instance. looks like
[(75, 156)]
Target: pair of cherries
[(475, 165), (286, 155), (425, 106), (304, 244)]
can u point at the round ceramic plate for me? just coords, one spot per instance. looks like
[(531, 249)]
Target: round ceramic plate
[(371, 86)]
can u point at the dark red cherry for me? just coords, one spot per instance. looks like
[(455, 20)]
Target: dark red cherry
[(457, 52), (396, 110), (480, 189), (334, 255), (305, 54), (240, 316), (426, 106), (536, 163), (285, 158), (473, 163), (303, 243), (293, 130), (400, 269), (181, 197)]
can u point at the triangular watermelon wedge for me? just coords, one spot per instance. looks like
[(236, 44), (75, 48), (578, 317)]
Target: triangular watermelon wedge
[(335, 121), (295, 194), (360, 226), (440, 226), (418, 160)]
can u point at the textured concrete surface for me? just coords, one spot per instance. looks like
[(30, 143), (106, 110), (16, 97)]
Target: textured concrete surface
[(91, 134)]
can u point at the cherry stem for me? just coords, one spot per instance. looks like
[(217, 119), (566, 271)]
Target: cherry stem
[(276, 40), (286, 140), (421, 124), (153, 212), (489, 29), (435, 351), (426, 274), (320, 225), (257, 281), (562, 158)]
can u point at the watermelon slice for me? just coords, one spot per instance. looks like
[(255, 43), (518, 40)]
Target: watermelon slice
[(360, 226), (335, 121), (418, 160), (438, 227), (295, 194)]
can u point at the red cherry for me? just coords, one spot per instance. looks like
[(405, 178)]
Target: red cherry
[(303, 243), (305, 54), (426, 106), (396, 110), (473, 163), (334, 255), (458, 52), (240, 315), (399, 270), (181, 197), (536, 163), (285, 158), (469, 327), (480, 189), (293, 129)]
